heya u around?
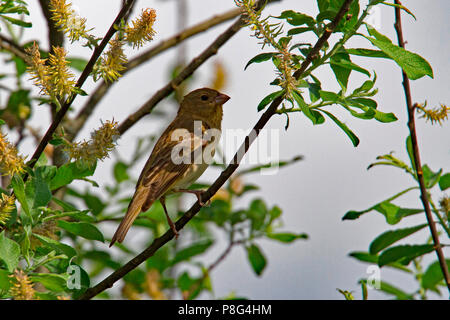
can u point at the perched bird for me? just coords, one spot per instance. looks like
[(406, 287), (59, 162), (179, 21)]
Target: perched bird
[(200, 112)]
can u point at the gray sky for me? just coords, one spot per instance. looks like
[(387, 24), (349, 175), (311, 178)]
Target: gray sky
[(315, 193)]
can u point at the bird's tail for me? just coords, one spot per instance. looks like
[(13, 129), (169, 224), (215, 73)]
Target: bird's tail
[(134, 208)]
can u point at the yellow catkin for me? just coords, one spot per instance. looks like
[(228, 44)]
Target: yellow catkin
[(141, 29), (112, 62), (37, 68), (10, 161), (153, 285), (22, 288), (220, 77), (68, 21), (61, 79), (102, 142), (6, 207), (439, 114)]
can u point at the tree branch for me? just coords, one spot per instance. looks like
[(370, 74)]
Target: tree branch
[(411, 108), (84, 75), (9, 45), (224, 176), (77, 123)]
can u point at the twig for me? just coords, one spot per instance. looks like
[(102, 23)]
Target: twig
[(109, 281), (9, 45), (77, 123), (84, 75), (55, 36), (212, 266), (412, 129)]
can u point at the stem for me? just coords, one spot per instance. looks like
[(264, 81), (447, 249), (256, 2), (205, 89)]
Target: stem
[(109, 281), (412, 129)]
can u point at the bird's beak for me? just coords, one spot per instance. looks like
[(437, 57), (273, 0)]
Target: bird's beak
[(221, 99)]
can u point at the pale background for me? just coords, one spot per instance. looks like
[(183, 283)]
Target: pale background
[(314, 193)]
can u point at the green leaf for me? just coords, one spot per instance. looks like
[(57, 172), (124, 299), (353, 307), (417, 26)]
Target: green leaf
[(19, 192), (63, 204), (389, 237), (18, 22), (329, 96), (269, 98), (364, 256), (256, 259), (37, 189), (120, 172), (9, 252), (444, 181), (410, 150), (385, 117), (433, 275), (56, 245), (403, 253), (373, 259), (398, 293), (393, 213), (78, 280), (367, 53), (296, 18), (352, 215), (69, 172), (412, 64), (260, 58), (191, 251), (299, 30), (315, 116), (341, 72), (5, 282), (287, 237), (348, 132), (257, 213), (53, 282), (430, 178), (363, 102), (347, 64), (82, 229)]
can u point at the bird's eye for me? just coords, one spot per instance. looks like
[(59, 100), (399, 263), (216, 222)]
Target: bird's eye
[(204, 97)]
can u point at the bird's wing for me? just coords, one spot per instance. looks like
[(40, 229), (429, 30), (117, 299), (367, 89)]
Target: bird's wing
[(160, 173)]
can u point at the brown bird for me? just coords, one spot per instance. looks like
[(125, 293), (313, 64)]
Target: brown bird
[(200, 113)]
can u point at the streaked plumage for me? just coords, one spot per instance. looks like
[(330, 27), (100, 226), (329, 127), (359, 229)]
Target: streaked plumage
[(160, 174)]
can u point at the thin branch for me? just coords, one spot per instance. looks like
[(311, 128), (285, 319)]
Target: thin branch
[(9, 45), (84, 75), (55, 36), (109, 281), (412, 129), (76, 124)]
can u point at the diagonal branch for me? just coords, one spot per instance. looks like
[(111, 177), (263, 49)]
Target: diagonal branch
[(84, 75), (77, 123), (411, 108), (224, 176), (9, 45)]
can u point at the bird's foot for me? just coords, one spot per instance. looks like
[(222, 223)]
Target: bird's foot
[(198, 194)]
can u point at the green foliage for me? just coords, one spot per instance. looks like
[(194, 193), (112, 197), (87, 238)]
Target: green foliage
[(382, 250), (9, 8)]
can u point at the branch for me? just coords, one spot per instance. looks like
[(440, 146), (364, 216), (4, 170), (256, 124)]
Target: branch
[(84, 75), (55, 36), (412, 129), (9, 45), (234, 164), (77, 123)]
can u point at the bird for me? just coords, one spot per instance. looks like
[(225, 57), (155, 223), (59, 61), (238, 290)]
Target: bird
[(200, 113)]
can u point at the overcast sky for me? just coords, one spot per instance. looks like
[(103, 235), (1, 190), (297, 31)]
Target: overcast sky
[(314, 193)]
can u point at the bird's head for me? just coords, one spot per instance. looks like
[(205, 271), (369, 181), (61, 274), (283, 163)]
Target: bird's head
[(204, 103)]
